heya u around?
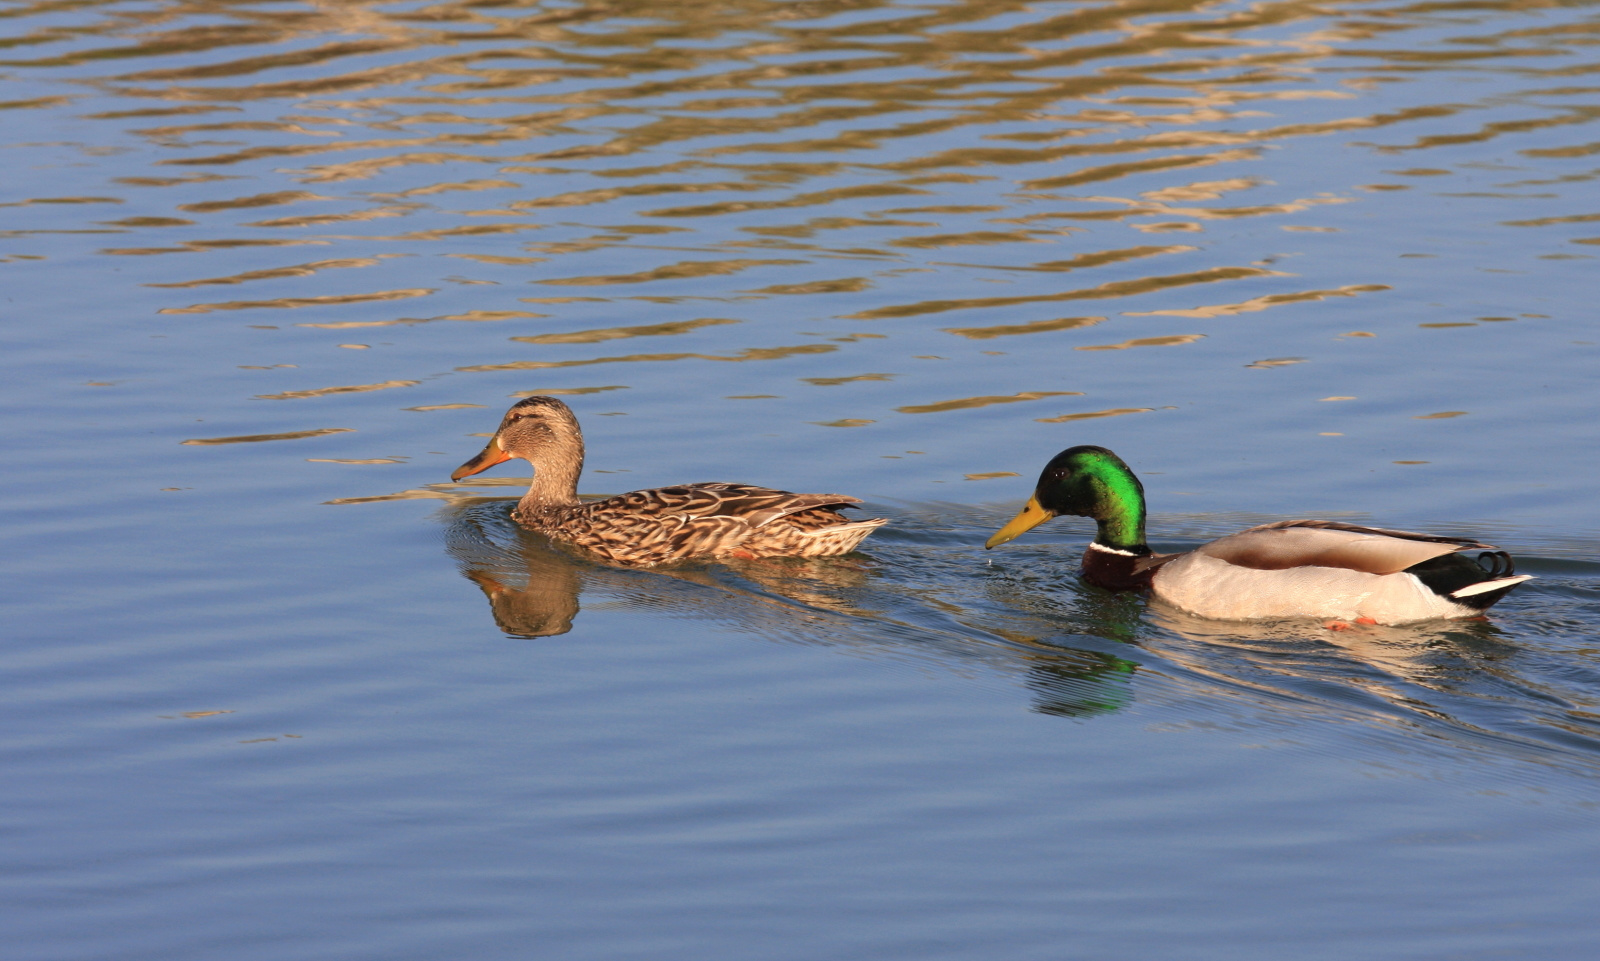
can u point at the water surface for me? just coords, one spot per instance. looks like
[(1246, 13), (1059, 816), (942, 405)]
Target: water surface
[(275, 687)]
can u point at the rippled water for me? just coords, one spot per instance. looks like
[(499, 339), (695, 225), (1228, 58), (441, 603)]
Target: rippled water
[(274, 687)]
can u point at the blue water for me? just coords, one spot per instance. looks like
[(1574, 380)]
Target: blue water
[(274, 687)]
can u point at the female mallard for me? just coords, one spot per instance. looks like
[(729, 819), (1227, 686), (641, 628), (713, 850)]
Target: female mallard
[(650, 527), (1289, 569)]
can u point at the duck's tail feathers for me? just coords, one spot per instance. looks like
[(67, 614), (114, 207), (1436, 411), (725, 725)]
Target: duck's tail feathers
[(1484, 594), (840, 538)]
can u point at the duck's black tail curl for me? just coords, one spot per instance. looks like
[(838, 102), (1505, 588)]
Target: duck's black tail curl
[(1449, 574), (1497, 564)]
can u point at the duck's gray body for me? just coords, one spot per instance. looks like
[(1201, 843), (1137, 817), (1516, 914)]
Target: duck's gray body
[(1328, 570)]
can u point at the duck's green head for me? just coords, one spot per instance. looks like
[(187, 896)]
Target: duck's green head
[(1086, 481)]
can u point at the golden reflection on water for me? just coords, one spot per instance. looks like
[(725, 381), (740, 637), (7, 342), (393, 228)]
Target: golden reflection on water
[(293, 302), (836, 381), (969, 403), (1262, 303), (621, 333), (1036, 327), (349, 389), (752, 353), (1093, 414), (257, 438), (297, 270), (563, 391), (790, 162), (1171, 340), (356, 460), (1120, 288)]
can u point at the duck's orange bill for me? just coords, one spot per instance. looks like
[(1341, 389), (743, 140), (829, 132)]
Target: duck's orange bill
[(1031, 516), (492, 455)]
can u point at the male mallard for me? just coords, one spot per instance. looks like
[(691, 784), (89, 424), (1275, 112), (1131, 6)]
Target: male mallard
[(650, 527), (1321, 569)]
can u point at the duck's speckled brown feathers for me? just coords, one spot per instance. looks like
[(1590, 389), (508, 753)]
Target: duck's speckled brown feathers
[(665, 524), (704, 520)]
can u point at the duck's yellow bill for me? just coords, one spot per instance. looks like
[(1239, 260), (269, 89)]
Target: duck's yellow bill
[(492, 454), (1031, 516)]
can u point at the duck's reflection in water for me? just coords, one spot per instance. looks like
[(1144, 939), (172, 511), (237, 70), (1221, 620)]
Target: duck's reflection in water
[(1447, 656), (534, 588), (533, 583), (543, 606), (1468, 681), (1521, 683), (1075, 649), (1075, 683)]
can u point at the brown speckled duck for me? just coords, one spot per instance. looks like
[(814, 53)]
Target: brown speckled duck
[(665, 524), (1321, 569)]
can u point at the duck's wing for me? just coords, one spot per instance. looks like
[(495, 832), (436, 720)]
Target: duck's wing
[(1150, 563), (1307, 543), (667, 524), (754, 506), (1469, 542)]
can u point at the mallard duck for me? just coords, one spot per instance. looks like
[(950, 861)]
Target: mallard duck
[(666, 524), (1321, 569)]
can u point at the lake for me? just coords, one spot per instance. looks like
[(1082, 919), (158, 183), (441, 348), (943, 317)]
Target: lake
[(275, 687)]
